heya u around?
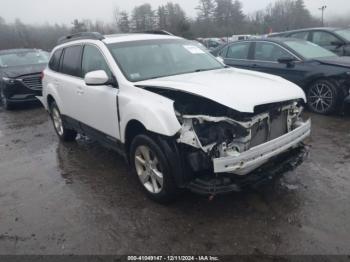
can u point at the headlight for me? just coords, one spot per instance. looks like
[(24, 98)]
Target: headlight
[(8, 80)]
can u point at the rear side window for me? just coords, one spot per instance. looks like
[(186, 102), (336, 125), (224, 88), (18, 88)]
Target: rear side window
[(300, 35), (55, 60), (238, 51), (71, 64)]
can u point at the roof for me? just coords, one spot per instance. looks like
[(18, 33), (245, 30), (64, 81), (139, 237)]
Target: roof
[(308, 29), (13, 51), (274, 39), (119, 38), (280, 39), (277, 40)]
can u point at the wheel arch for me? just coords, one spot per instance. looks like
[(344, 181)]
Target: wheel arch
[(133, 128), (49, 100), (167, 144), (315, 79)]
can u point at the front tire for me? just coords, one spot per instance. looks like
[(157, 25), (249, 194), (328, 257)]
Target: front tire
[(151, 166), (63, 133), (323, 97), (5, 103)]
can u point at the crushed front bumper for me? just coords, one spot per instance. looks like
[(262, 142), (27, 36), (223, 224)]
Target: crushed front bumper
[(252, 159), (227, 183)]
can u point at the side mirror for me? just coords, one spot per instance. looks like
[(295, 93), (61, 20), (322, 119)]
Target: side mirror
[(96, 78), (289, 61)]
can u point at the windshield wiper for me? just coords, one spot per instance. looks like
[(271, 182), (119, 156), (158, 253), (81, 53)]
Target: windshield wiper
[(209, 69)]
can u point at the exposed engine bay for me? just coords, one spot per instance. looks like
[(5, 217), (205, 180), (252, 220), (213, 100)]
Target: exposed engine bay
[(212, 131)]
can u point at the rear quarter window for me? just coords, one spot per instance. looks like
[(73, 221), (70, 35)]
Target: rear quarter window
[(55, 60), (71, 63)]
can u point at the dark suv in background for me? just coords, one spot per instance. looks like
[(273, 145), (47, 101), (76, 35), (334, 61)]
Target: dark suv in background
[(336, 40), (20, 75)]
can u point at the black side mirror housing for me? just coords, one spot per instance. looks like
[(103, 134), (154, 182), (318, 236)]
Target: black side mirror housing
[(289, 61)]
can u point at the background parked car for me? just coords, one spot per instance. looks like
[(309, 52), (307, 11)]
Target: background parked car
[(211, 43), (20, 75), (240, 37), (336, 40), (324, 76)]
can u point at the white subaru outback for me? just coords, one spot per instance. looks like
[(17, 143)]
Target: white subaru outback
[(177, 114)]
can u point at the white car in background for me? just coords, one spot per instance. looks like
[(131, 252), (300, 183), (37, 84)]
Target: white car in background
[(179, 116)]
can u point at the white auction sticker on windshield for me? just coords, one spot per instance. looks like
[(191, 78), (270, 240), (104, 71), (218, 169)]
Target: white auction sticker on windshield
[(194, 49)]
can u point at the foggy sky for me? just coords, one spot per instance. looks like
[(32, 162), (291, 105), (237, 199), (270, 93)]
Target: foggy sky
[(64, 11)]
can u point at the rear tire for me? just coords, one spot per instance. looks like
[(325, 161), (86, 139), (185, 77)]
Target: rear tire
[(323, 97), (152, 169), (66, 135)]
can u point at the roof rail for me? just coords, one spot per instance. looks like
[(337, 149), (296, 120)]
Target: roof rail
[(79, 36), (156, 32)]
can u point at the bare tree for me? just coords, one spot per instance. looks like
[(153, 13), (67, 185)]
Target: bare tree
[(143, 18)]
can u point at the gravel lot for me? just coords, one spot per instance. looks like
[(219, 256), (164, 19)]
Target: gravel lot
[(80, 199)]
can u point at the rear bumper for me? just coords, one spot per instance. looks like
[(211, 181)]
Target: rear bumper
[(259, 155)]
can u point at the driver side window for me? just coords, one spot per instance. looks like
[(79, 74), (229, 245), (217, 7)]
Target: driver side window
[(323, 38), (269, 52), (93, 61)]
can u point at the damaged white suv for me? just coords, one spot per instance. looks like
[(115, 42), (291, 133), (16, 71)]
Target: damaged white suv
[(178, 115)]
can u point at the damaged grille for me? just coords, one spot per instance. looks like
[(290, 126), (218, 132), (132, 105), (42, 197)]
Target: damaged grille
[(270, 128), (33, 82)]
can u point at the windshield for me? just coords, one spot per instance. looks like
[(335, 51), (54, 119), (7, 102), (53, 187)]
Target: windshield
[(309, 50), (23, 58), (159, 58), (345, 33)]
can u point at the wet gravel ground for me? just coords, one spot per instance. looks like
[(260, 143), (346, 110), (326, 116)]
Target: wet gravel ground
[(80, 199)]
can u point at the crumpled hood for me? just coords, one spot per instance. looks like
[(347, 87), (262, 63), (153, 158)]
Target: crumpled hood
[(241, 90), (17, 71)]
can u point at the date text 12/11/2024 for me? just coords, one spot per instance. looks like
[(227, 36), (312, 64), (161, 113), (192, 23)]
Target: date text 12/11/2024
[(173, 258)]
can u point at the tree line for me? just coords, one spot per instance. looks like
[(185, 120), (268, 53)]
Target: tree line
[(215, 18)]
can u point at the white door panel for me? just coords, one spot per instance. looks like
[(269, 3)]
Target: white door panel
[(98, 108), (68, 90)]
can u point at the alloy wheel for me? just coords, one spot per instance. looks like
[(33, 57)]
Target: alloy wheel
[(57, 121), (321, 97), (148, 169)]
